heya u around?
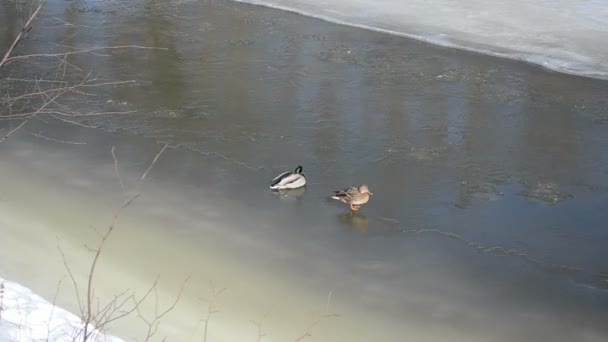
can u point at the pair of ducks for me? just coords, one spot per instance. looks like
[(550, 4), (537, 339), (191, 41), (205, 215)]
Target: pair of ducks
[(353, 196)]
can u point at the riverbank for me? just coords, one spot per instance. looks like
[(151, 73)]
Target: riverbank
[(25, 316)]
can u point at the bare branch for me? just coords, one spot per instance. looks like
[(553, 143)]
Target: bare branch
[(116, 308), (21, 34), (40, 109), (79, 51), (154, 322), (13, 79), (16, 128), (122, 184), (71, 121), (143, 176), (70, 24), (318, 319), (211, 309), (38, 135), (48, 322), (258, 325), (74, 88), (74, 282)]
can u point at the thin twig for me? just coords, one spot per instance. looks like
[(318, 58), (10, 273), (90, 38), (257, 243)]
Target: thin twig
[(48, 322), (74, 282), (318, 319), (13, 79), (21, 34), (71, 122), (79, 51), (70, 24), (38, 135), (143, 176), (16, 128), (122, 184), (153, 323), (258, 325), (73, 88), (211, 309), (40, 109)]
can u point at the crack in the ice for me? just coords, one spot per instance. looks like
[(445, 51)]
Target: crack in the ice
[(597, 280), (218, 154)]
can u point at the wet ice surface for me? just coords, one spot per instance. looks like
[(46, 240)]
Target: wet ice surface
[(433, 281), (489, 176)]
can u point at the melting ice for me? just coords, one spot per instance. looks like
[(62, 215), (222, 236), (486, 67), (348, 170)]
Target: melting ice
[(563, 35)]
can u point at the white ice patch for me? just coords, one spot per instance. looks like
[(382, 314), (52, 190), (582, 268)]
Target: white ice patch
[(27, 317), (564, 35)]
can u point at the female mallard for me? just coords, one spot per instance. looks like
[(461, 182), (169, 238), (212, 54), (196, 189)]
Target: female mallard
[(289, 180), (355, 197)]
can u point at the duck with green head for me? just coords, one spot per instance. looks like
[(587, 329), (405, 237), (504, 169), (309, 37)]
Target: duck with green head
[(289, 180)]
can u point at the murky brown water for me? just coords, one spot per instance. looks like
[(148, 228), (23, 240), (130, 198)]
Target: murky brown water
[(490, 178)]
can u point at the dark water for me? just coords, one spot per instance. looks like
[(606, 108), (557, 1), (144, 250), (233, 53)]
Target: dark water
[(490, 177)]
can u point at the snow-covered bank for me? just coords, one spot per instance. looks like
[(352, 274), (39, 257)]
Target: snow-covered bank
[(27, 317)]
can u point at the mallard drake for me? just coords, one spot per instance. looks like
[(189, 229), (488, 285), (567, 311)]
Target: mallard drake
[(289, 180), (355, 197)]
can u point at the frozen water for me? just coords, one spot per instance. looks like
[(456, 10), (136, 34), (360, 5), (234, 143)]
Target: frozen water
[(563, 35)]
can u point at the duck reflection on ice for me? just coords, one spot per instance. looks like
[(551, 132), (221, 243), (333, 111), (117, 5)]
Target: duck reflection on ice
[(290, 194), (362, 224), (356, 221)]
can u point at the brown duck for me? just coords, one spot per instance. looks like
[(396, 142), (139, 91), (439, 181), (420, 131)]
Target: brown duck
[(354, 197)]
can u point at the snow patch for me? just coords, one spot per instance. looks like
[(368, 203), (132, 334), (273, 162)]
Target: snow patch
[(27, 317), (563, 35)]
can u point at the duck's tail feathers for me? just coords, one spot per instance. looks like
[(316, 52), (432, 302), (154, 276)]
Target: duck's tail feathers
[(339, 195), (277, 180)]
